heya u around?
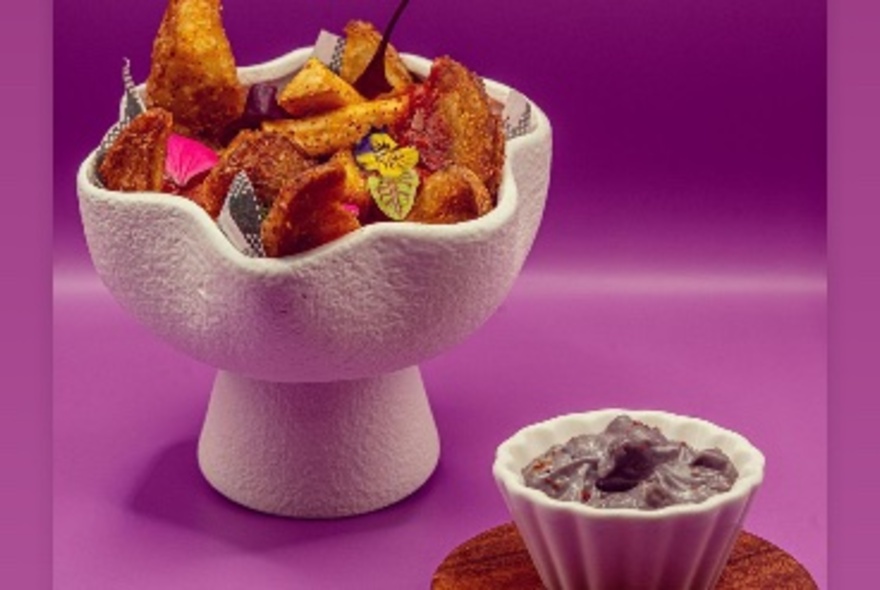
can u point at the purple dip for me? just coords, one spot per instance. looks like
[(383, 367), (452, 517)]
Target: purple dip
[(630, 465)]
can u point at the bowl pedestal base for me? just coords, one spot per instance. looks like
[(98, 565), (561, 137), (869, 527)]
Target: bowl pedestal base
[(318, 450)]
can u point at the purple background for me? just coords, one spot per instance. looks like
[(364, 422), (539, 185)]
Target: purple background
[(680, 265), (687, 133)]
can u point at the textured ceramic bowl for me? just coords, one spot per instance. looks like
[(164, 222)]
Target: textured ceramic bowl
[(318, 409), (578, 547)]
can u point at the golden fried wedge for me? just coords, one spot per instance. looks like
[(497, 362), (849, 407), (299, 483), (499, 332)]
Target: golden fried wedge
[(355, 185), (475, 127), (269, 159), (326, 134), (451, 195), (193, 74), (136, 160), (361, 42), (316, 89), (310, 211)]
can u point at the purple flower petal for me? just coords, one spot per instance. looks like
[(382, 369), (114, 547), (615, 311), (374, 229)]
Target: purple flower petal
[(261, 106), (261, 103)]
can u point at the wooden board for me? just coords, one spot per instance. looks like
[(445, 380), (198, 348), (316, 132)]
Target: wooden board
[(497, 559)]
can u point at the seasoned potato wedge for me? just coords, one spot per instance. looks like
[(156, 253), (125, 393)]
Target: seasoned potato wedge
[(193, 72), (453, 121), (136, 160), (451, 195), (361, 42), (326, 134), (476, 129), (310, 211), (316, 89), (355, 185), (269, 159)]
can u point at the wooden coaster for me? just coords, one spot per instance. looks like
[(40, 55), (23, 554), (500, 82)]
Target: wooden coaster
[(497, 559)]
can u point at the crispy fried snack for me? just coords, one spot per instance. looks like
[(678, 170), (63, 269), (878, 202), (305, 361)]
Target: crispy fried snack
[(136, 160), (326, 134), (316, 89), (361, 42), (451, 195), (193, 71), (310, 211), (355, 184), (269, 159), (452, 121), (477, 132)]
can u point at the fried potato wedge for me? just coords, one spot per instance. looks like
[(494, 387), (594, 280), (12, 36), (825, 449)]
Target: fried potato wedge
[(355, 184), (193, 73), (316, 89), (477, 134), (361, 42), (452, 120), (310, 211), (451, 195), (326, 134), (269, 159), (136, 160)]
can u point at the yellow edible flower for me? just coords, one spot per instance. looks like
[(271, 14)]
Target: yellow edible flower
[(387, 158)]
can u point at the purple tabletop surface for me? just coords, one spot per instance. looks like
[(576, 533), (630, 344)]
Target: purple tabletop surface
[(680, 266)]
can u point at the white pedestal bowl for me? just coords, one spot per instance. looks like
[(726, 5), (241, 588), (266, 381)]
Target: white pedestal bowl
[(318, 409)]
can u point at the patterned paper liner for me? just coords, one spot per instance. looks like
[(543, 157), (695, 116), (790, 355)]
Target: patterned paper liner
[(242, 213), (132, 106)]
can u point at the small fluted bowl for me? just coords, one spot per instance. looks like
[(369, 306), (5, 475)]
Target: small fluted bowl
[(579, 547)]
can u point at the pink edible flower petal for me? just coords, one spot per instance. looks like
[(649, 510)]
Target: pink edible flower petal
[(352, 208), (187, 158)]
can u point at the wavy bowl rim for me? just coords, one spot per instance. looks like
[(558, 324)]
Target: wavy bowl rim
[(278, 68), (507, 476)]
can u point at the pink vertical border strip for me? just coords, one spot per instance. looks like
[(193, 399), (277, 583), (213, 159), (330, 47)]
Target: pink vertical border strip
[(26, 317), (854, 288)]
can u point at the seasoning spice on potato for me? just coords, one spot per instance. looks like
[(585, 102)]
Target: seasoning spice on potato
[(136, 160), (326, 134), (451, 195), (316, 89), (311, 211), (355, 184), (269, 160), (361, 42), (192, 73), (322, 159), (452, 121)]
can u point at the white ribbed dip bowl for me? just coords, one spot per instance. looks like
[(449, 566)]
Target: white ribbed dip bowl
[(318, 409), (579, 547)]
